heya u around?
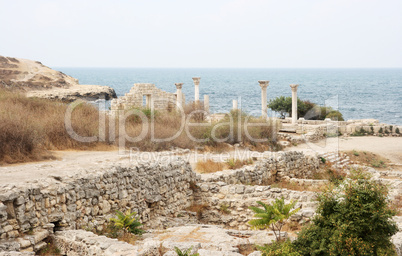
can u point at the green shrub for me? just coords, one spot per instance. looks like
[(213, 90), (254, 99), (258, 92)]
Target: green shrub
[(323, 160), (127, 222), (360, 132), (381, 130), (397, 131), (352, 219), (282, 248), (335, 115), (272, 216)]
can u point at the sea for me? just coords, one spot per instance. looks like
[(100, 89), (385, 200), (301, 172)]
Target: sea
[(356, 93)]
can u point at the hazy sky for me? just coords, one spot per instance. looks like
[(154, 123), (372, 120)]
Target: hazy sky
[(204, 33)]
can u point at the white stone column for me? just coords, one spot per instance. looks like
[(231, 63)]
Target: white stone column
[(234, 104), (264, 85), (148, 99), (197, 88), (294, 103), (206, 103), (179, 94)]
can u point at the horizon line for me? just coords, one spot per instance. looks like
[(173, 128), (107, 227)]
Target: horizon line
[(232, 67)]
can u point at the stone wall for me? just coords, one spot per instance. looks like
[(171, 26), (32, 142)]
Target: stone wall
[(228, 204), (280, 165), (160, 99), (370, 126), (153, 189)]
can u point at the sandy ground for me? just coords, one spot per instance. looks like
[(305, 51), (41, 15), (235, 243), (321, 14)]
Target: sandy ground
[(72, 162), (387, 147)]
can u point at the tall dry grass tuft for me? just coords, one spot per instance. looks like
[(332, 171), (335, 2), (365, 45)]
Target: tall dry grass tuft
[(209, 166), (30, 127)]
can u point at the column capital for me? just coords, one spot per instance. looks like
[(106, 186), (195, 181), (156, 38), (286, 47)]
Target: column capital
[(196, 80), (294, 87), (179, 85), (263, 83)]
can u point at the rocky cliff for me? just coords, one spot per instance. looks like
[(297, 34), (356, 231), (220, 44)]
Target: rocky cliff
[(38, 80)]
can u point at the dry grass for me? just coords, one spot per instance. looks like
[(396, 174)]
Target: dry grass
[(209, 166), (237, 163), (246, 249), (197, 208), (292, 226), (368, 158), (396, 205), (30, 127), (296, 186)]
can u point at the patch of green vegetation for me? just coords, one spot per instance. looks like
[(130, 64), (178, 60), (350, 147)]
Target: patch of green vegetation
[(127, 222)]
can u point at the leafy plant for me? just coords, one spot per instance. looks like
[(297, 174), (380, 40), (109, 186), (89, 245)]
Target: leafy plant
[(185, 252), (397, 131), (272, 216), (355, 153), (127, 222), (381, 130), (323, 160)]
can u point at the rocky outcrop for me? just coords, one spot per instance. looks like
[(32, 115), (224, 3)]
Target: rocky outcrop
[(43, 82)]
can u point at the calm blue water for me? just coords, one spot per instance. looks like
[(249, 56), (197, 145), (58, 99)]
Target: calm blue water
[(357, 93)]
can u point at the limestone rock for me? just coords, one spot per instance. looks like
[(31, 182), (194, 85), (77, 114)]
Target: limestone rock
[(43, 82)]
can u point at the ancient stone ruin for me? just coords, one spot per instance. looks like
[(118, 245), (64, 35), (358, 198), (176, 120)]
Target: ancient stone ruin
[(147, 95)]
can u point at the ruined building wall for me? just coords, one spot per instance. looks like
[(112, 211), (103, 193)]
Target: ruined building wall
[(135, 98)]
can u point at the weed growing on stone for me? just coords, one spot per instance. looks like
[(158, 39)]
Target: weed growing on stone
[(127, 222), (224, 208), (185, 252)]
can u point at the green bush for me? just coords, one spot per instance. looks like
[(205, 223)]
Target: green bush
[(352, 219), (381, 130), (127, 222), (397, 131), (335, 115), (282, 248)]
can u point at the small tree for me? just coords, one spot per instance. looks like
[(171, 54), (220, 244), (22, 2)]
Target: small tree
[(272, 216), (127, 222), (283, 105)]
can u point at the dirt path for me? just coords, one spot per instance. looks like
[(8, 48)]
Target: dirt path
[(72, 162)]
